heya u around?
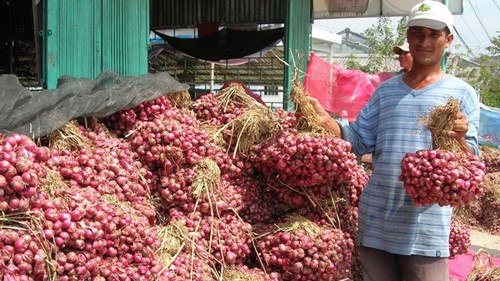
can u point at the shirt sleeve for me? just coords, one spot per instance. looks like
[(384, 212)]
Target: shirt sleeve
[(470, 107), (362, 132)]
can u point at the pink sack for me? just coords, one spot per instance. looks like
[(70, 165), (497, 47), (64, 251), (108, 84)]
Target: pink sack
[(462, 265)]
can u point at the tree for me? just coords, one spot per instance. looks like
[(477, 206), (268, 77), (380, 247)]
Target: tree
[(381, 38), (486, 78), (494, 49), (352, 63)]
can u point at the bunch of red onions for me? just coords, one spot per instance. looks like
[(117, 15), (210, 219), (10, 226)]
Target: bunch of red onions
[(235, 245), (299, 197), (304, 161), (210, 110), (108, 167), (300, 254), (227, 238), (177, 190), (442, 177), (352, 187), (174, 189), (459, 239), (84, 231)]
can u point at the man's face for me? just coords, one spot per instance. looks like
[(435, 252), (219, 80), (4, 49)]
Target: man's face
[(427, 45), (405, 60)]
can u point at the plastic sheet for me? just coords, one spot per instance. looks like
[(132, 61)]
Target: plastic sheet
[(489, 129), (37, 114)]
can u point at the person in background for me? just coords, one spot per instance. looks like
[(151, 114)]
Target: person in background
[(405, 62), (399, 241), (404, 57)]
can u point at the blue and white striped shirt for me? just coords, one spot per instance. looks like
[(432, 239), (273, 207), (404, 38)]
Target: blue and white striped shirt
[(388, 126)]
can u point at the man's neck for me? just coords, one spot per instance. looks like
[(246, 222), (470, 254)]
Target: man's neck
[(423, 77)]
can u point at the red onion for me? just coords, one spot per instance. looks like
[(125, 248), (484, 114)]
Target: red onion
[(442, 177)]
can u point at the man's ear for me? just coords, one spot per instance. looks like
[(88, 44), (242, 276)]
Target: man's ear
[(449, 39)]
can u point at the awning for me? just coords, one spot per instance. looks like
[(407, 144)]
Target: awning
[(225, 44)]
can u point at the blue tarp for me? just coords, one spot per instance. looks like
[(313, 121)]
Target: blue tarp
[(489, 126)]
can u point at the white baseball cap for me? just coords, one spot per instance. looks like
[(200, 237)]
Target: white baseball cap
[(431, 14)]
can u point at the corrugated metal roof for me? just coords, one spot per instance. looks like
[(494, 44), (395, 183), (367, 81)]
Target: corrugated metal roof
[(188, 13)]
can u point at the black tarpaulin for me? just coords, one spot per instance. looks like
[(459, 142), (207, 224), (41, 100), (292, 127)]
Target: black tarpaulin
[(225, 44)]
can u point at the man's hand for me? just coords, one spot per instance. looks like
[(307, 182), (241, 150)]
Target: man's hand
[(460, 128), (324, 118)]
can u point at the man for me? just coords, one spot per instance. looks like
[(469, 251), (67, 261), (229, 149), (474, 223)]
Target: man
[(398, 240), (404, 57)]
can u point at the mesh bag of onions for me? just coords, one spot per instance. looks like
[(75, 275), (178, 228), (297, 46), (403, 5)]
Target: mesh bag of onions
[(308, 156), (459, 239), (299, 249), (443, 175)]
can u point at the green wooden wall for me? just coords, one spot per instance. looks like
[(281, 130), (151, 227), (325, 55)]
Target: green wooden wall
[(297, 42), (84, 37)]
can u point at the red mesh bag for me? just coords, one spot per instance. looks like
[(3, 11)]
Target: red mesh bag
[(338, 88)]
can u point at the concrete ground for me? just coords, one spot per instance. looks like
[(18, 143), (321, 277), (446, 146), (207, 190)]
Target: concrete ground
[(488, 242)]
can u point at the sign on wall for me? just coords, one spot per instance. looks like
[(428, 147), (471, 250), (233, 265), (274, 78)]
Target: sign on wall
[(329, 9)]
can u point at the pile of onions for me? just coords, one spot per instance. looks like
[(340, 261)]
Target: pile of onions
[(109, 168), (124, 121), (243, 272), (336, 213), (306, 252), (257, 204), (187, 267), (177, 140), (21, 255), (177, 191), (303, 161), (87, 231), (96, 206), (21, 172), (459, 239), (442, 177)]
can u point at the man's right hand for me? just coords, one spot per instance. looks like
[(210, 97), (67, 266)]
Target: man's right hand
[(324, 118)]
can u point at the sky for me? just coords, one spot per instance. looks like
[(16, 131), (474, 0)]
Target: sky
[(477, 26)]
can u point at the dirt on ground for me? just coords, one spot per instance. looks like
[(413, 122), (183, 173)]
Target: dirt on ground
[(485, 241)]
